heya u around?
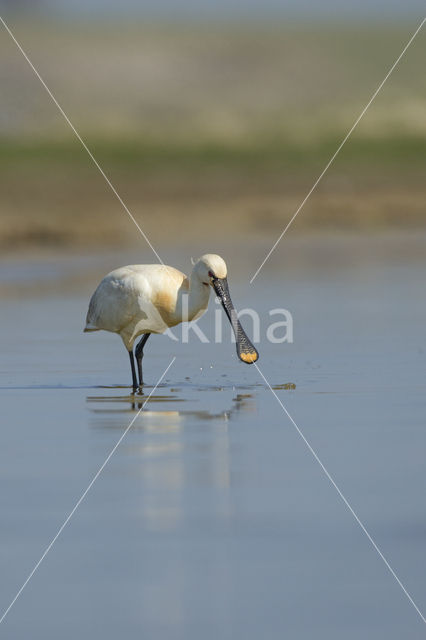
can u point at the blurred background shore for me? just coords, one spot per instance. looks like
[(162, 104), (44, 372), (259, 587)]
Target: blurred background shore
[(206, 128)]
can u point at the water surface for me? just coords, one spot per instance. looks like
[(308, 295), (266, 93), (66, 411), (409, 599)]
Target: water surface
[(212, 519)]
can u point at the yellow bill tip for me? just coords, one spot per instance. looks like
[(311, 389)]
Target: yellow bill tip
[(249, 358)]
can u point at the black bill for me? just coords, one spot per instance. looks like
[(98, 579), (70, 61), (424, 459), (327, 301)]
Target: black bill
[(245, 350)]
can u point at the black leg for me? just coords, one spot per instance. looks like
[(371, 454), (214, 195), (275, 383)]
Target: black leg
[(134, 378), (139, 355)]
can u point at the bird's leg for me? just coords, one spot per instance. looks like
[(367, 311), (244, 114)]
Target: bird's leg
[(139, 355), (132, 364)]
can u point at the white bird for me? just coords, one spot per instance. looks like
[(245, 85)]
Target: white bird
[(149, 298)]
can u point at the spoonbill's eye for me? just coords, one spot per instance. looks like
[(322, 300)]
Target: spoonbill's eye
[(211, 274)]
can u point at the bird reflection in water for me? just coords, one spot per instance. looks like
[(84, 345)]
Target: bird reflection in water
[(241, 402), (175, 452)]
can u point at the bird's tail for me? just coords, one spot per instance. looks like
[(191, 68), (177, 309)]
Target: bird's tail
[(89, 327)]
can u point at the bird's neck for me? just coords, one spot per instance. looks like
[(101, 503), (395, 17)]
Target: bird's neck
[(195, 300)]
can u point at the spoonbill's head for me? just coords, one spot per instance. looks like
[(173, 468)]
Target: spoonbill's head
[(211, 270)]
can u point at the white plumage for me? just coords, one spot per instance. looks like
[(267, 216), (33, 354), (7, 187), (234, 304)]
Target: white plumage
[(145, 299)]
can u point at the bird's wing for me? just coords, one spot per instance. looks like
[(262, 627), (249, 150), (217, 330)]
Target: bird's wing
[(140, 295), (112, 306)]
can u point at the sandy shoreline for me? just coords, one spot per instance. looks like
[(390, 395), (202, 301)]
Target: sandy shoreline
[(79, 210)]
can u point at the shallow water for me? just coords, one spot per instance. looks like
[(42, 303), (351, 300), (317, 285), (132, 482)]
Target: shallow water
[(212, 519)]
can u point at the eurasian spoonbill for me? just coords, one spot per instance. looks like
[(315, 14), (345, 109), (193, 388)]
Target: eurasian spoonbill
[(145, 298)]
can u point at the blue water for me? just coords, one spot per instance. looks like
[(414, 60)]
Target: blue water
[(213, 519), (240, 9)]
